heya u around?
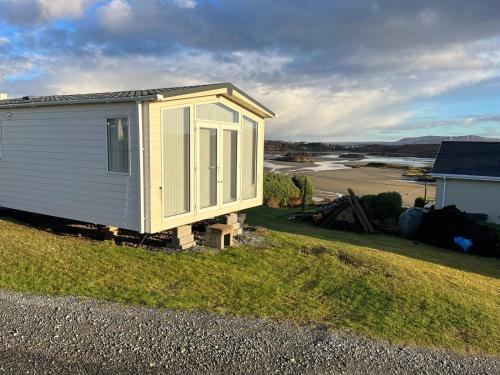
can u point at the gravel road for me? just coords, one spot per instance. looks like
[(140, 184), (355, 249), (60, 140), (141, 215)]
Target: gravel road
[(68, 335)]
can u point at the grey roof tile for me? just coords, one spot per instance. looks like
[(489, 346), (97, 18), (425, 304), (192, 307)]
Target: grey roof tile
[(468, 159), (101, 96)]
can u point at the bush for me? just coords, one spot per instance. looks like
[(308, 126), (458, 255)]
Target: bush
[(383, 205), (419, 202), (306, 187), (279, 189)]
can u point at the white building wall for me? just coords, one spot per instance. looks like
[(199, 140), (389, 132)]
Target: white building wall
[(53, 161), (471, 196)]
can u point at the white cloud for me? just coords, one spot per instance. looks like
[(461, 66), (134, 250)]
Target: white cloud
[(4, 41), (327, 108), (185, 3), (64, 8), (114, 14)]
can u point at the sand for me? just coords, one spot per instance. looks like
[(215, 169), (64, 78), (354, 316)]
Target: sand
[(363, 180)]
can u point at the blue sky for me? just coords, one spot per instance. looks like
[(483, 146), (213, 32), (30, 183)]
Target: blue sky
[(337, 70)]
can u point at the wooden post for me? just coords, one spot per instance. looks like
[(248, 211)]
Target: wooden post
[(360, 213), (304, 199)]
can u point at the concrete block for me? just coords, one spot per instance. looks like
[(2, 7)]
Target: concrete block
[(182, 231), (231, 218), (219, 236), (182, 240), (186, 246)]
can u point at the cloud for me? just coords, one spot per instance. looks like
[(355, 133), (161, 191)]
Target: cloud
[(115, 14), (331, 70), (185, 3), (34, 12)]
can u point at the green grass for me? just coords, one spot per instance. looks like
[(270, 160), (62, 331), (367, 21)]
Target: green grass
[(378, 286)]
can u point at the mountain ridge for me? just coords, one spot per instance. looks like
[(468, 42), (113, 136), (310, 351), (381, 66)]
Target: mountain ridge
[(433, 139)]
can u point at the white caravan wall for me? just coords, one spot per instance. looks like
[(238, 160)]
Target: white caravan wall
[(472, 196), (54, 162)]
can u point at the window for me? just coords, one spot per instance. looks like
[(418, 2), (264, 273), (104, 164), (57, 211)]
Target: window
[(209, 166), (176, 161), (216, 112), (230, 165), (118, 145), (249, 158)]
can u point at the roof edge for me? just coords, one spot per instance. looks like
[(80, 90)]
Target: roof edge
[(80, 101), (231, 89), (465, 177)]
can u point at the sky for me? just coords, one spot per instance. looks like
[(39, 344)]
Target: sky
[(332, 70)]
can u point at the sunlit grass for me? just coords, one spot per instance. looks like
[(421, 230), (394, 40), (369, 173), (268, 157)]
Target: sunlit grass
[(379, 286)]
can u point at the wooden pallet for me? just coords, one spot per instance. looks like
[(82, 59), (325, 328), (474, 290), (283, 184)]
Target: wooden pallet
[(360, 213)]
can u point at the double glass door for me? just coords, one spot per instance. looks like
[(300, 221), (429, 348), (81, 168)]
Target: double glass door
[(217, 165)]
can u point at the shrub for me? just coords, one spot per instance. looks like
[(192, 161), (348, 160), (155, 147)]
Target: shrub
[(272, 202), (279, 188), (306, 187), (419, 202), (368, 201), (383, 205), (295, 201)]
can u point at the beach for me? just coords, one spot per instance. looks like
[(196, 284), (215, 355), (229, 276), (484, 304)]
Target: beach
[(335, 178)]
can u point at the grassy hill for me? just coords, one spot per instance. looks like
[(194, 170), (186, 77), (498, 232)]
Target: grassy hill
[(379, 286)]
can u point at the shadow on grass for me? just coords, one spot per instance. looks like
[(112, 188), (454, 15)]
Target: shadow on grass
[(277, 219), (71, 228)]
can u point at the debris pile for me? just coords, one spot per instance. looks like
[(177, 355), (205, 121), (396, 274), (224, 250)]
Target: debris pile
[(345, 213), (445, 227)]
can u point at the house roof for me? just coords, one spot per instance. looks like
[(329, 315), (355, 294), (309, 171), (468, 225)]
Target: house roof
[(472, 159), (132, 95)]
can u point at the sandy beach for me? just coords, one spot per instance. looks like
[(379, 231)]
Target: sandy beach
[(363, 180)]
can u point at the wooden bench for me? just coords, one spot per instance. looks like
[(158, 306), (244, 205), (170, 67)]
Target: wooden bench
[(220, 235)]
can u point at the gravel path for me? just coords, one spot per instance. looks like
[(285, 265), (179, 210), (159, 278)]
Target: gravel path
[(69, 335)]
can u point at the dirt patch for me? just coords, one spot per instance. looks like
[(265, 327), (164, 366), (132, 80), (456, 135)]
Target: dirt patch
[(349, 260), (314, 250)]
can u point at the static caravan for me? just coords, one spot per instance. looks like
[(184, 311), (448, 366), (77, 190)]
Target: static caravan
[(468, 176), (146, 160)]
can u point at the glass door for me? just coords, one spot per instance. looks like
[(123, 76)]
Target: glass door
[(208, 167), (218, 165), (229, 178)]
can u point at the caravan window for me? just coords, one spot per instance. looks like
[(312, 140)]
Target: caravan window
[(249, 158), (118, 145)]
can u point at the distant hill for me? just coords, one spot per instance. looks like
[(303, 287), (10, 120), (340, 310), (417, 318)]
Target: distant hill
[(433, 139), (382, 149)]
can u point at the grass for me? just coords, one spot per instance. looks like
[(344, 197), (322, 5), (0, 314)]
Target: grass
[(379, 286)]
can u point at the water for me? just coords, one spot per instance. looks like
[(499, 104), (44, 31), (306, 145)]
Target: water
[(338, 164), (326, 166), (273, 166), (402, 161)]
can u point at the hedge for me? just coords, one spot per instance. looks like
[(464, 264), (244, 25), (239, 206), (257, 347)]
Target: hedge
[(383, 205), (279, 188), (306, 187)]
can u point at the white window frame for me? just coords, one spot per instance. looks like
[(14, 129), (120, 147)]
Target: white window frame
[(258, 171), (237, 128), (260, 134), (229, 105), (129, 172), (192, 174)]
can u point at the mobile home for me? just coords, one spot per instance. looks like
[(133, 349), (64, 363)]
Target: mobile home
[(146, 160), (468, 176)]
